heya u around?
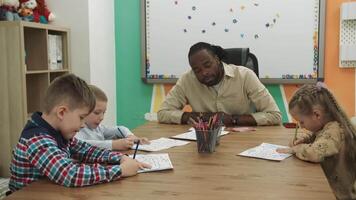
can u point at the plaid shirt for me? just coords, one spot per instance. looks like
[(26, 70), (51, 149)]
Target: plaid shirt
[(42, 151)]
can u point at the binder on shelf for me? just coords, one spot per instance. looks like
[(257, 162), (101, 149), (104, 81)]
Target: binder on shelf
[(55, 52), (59, 51)]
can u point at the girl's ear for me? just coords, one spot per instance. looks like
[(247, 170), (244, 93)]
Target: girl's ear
[(317, 113)]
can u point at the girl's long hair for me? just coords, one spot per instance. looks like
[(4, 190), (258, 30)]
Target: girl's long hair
[(311, 95)]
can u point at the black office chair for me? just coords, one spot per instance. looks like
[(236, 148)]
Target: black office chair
[(243, 57)]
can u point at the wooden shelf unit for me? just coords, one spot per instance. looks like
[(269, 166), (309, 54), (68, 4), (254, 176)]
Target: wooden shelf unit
[(25, 74)]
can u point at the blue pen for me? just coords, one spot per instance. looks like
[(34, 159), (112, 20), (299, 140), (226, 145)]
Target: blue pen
[(138, 143)]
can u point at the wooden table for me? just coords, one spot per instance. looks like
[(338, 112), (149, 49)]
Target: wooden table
[(220, 175)]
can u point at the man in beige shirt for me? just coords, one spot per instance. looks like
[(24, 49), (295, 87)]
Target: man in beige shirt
[(212, 86)]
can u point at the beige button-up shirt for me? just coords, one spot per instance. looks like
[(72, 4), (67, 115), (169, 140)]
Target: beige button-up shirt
[(240, 92)]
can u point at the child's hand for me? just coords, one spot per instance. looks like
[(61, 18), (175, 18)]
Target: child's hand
[(285, 150), (296, 142), (124, 158), (143, 140), (129, 166), (122, 144)]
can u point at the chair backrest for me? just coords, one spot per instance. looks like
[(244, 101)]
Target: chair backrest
[(243, 57)]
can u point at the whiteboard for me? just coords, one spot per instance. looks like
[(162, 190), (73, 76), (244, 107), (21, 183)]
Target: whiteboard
[(285, 35)]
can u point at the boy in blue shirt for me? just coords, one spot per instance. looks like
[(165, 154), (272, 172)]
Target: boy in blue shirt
[(97, 134)]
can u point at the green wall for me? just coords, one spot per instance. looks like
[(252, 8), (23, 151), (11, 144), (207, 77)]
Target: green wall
[(275, 91), (133, 96)]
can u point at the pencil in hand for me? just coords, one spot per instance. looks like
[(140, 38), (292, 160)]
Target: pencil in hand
[(121, 133), (296, 131), (138, 143)]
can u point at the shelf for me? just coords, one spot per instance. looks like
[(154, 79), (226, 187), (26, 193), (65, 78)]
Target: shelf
[(42, 26), (58, 70), (56, 74), (36, 88), (35, 48), (36, 71), (24, 66)]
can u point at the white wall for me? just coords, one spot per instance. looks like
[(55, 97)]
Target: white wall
[(74, 14), (92, 43), (102, 52)]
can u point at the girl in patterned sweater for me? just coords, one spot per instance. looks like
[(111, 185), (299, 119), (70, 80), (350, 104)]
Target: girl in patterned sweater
[(331, 141)]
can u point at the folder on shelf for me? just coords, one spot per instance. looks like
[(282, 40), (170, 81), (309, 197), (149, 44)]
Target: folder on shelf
[(55, 53)]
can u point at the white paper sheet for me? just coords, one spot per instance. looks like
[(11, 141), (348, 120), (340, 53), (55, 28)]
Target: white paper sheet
[(266, 151), (191, 135), (160, 144), (157, 161)]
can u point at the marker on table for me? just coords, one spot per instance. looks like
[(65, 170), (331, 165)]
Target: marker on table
[(138, 143)]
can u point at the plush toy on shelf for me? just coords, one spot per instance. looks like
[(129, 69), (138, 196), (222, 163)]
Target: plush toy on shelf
[(41, 13), (42, 10), (26, 14), (26, 10), (8, 10)]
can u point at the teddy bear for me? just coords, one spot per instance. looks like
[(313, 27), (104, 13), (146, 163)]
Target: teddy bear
[(8, 10), (40, 11)]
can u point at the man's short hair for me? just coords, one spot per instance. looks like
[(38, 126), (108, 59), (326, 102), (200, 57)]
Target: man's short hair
[(71, 90), (98, 93)]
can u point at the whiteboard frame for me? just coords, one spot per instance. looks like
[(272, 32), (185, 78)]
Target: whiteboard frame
[(321, 44)]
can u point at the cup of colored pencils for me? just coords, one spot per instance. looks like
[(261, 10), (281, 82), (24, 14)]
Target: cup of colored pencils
[(207, 134)]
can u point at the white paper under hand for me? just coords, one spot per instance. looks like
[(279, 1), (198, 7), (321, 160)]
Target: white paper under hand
[(157, 161), (266, 151)]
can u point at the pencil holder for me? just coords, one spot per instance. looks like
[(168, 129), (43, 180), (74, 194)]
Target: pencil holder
[(207, 140), (219, 134)]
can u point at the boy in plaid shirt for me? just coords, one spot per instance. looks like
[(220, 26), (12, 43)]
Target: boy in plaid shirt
[(47, 145)]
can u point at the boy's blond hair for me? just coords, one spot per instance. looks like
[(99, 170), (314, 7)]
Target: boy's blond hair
[(99, 94), (71, 90)]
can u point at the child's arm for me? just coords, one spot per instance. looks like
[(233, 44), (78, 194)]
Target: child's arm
[(85, 152), (302, 138), (326, 145), (56, 164), (305, 137), (114, 132), (121, 132), (93, 138), (104, 144)]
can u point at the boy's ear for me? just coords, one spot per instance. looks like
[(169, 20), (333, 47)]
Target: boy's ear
[(60, 111)]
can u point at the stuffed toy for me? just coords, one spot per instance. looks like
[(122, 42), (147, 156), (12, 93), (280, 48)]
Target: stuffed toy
[(8, 10), (44, 11), (40, 11), (26, 10), (26, 14)]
